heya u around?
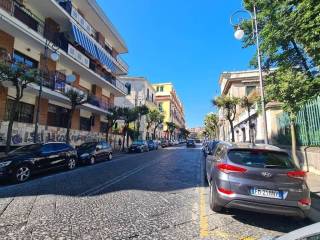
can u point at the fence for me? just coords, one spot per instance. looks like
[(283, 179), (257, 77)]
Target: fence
[(307, 125)]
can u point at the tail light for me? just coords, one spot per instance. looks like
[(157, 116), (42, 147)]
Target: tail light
[(227, 168), (225, 191), (297, 174), (305, 202)]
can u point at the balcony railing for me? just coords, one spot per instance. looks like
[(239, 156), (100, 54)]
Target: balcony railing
[(20, 12), (123, 63), (99, 102)]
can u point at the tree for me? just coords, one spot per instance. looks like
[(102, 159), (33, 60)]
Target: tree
[(158, 122), (184, 133), (19, 75), (113, 116), (129, 115), (211, 125), (229, 108), (293, 89), (141, 110), (151, 119), (76, 98), (289, 36), (171, 126), (248, 102)]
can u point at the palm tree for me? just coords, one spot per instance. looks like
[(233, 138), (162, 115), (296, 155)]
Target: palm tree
[(184, 133), (19, 75), (229, 107), (211, 125), (151, 119), (171, 126), (128, 115), (76, 98), (158, 122), (247, 102), (113, 116)]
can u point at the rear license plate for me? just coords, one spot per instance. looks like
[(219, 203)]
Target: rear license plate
[(266, 193)]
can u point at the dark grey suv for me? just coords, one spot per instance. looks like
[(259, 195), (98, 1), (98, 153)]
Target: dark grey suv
[(260, 178)]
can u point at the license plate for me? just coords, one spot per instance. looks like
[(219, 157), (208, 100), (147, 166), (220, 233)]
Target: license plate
[(266, 193)]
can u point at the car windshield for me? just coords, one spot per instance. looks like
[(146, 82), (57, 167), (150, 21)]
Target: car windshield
[(138, 142), (261, 158), (150, 141), (28, 148), (190, 141), (88, 145)]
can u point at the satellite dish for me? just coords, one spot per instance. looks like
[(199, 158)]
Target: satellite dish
[(70, 78)]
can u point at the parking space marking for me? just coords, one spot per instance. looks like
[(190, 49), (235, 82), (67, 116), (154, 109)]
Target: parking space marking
[(204, 224)]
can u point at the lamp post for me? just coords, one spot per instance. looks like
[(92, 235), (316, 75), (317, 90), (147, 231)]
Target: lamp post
[(239, 34), (54, 57)]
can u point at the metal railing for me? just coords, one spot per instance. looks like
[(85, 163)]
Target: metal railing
[(123, 63), (20, 12), (307, 125), (99, 102)]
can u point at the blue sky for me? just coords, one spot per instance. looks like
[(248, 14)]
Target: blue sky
[(186, 42)]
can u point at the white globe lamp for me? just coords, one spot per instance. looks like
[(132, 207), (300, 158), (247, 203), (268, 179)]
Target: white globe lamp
[(239, 33)]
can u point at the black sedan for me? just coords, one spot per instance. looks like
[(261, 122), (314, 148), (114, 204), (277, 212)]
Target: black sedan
[(191, 143), (90, 152), (23, 162), (139, 146)]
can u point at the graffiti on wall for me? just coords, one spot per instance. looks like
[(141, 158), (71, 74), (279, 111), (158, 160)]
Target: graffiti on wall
[(23, 133)]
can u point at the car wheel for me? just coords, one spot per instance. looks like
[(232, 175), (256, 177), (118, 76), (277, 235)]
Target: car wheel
[(71, 163), (110, 156), (22, 173), (92, 160), (213, 199)]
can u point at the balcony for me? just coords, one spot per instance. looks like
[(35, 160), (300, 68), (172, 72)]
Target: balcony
[(99, 102), (23, 14), (119, 65)]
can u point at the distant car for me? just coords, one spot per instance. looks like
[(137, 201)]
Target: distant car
[(139, 146), (191, 143), (152, 145), (164, 143), (260, 178), (91, 152), (20, 164), (210, 147)]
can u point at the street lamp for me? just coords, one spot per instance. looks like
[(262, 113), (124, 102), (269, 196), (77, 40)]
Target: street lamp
[(239, 34), (54, 57)]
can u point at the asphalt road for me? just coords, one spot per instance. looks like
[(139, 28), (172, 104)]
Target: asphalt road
[(155, 195)]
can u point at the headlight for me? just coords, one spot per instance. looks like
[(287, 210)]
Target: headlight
[(84, 155), (4, 164)]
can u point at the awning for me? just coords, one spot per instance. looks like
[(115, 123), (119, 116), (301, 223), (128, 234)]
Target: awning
[(82, 39), (94, 48), (105, 59)]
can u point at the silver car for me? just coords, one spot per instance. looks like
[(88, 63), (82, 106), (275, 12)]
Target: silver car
[(260, 178)]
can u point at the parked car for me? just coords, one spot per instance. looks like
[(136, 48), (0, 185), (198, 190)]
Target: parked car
[(191, 143), (152, 145), (20, 164), (139, 146), (260, 178), (210, 148), (91, 152), (164, 143)]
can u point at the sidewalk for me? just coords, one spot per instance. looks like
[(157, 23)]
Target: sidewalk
[(314, 185)]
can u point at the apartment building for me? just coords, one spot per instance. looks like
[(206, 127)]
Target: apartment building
[(88, 48), (240, 84), (171, 106), (141, 93)]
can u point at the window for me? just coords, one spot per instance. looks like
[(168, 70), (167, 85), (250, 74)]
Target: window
[(148, 93), (85, 124), (250, 89), (158, 89), (152, 97), (161, 88), (261, 158), (21, 58), (24, 112), (48, 148), (57, 116)]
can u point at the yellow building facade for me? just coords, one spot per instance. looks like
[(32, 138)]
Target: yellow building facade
[(171, 107)]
